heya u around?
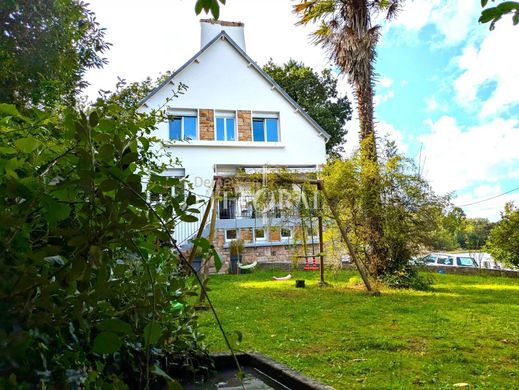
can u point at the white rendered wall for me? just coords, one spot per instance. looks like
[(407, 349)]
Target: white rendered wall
[(221, 79), (211, 30)]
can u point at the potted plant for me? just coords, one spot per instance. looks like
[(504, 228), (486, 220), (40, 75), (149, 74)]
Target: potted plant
[(235, 250)]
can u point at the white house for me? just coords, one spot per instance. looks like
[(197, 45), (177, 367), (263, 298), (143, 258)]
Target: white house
[(234, 117)]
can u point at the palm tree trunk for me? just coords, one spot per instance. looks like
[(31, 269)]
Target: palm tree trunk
[(376, 253)]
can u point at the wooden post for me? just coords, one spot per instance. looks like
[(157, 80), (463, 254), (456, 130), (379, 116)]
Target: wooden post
[(344, 235), (210, 238), (202, 225), (321, 250)]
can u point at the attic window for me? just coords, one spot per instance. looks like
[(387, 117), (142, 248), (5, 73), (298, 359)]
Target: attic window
[(225, 126), (183, 125), (265, 128)]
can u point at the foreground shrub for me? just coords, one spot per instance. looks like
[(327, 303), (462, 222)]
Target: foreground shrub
[(88, 295)]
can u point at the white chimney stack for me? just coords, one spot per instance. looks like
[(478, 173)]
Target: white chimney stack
[(211, 28)]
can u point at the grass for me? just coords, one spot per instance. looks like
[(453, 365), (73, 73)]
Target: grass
[(466, 330)]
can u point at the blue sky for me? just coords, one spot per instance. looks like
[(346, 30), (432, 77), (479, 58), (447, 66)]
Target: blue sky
[(447, 86), (449, 92)]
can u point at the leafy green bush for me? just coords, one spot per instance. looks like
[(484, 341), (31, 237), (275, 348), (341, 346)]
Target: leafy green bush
[(89, 294), (408, 277), (408, 211), (503, 241)]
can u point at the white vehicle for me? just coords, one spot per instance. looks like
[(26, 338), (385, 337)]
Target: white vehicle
[(449, 260)]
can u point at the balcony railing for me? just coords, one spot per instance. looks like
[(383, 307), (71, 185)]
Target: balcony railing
[(243, 207)]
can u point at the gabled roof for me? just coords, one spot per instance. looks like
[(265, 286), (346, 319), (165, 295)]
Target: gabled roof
[(225, 36)]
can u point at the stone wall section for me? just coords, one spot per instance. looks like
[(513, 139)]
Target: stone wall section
[(244, 126), (206, 125), (275, 254)]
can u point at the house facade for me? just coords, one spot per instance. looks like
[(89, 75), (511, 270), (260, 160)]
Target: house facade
[(234, 119)]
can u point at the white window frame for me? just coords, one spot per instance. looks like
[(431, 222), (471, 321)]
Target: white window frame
[(182, 114), (285, 237), (225, 115), (264, 116), (231, 239), (264, 238)]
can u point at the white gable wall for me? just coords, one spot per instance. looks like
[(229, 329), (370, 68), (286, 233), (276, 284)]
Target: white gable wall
[(221, 79)]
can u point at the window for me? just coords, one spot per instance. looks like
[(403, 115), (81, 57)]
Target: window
[(286, 234), (231, 234), (445, 260), (160, 196), (311, 232), (259, 234), (179, 190), (430, 259), (182, 127), (265, 129), (466, 262), (227, 209), (225, 126)]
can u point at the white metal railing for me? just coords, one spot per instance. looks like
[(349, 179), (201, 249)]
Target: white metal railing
[(184, 231)]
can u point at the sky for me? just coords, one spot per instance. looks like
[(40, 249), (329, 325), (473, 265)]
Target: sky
[(447, 88)]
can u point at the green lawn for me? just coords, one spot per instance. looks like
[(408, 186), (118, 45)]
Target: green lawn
[(464, 331)]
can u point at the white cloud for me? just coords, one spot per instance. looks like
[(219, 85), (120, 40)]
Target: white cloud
[(433, 104), (457, 158), (384, 97), (496, 60), (415, 14), (487, 191), (477, 203), (453, 19), (387, 130), (385, 82), (384, 130), (152, 37)]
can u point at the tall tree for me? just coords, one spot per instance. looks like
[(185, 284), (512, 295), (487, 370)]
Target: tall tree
[(503, 241), (346, 30), (317, 94), (46, 46), (348, 34)]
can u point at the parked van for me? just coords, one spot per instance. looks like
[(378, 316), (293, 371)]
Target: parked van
[(449, 260)]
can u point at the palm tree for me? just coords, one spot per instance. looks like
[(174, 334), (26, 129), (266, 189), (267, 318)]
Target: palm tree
[(346, 30)]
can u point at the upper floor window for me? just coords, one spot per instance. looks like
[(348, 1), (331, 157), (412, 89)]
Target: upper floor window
[(265, 129), (225, 126), (227, 208), (183, 126), (260, 235), (286, 234)]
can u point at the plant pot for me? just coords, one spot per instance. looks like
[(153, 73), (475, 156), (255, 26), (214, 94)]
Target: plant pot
[(300, 284), (233, 268)]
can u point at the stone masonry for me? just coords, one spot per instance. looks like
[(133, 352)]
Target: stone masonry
[(206, 124), (281, 254), (244, 126)]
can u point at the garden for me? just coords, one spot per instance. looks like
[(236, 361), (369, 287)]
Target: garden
[(95, 291), (463, 331)]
